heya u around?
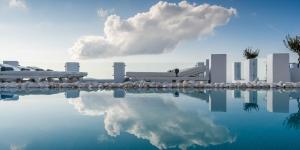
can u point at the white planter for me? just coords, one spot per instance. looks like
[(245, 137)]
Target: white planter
[(250, 66)]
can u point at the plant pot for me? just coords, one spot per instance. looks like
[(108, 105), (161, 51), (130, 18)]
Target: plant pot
[(250, 66)]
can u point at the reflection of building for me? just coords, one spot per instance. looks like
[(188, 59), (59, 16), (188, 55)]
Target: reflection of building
[(277, 101), (250, 96), (217, 101), (8, 97), (119, 93), (72, 93), (237, 94), (250, 100)]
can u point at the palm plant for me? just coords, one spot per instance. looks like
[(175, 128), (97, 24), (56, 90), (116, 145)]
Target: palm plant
[(293, 44), (250, 106), (176, 72), (293, 121), (249, 53)]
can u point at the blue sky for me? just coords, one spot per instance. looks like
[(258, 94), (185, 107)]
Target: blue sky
[(45, 30)]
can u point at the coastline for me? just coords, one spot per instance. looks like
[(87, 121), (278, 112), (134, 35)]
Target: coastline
[(143, 84)]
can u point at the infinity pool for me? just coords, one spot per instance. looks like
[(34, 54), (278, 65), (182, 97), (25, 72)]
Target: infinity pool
[(149, 119)]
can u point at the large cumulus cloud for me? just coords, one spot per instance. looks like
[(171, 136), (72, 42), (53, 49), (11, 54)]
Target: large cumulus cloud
[(156, 31), (157, 119)]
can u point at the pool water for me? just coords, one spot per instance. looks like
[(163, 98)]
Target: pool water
[(146, 119)]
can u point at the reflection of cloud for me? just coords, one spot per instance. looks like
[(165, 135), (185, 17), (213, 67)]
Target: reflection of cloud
[(156, 119), (87, 103), (17, 146)]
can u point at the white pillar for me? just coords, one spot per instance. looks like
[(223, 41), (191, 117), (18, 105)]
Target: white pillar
[(278, 68), (250, 66), (119, 72), (218, 68)]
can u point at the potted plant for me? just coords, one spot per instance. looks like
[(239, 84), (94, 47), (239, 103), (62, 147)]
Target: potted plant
[(251, 64), (293, 44), (176, 72)]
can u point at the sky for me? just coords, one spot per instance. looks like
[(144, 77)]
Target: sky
[(96, 33)]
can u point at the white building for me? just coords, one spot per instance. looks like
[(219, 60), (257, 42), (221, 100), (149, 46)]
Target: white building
[(200, 72), (278, 68), (218, 68), (72, 67), (119, 72), (12, 63)]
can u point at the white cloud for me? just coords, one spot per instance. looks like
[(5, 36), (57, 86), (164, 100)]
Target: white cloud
[(18, 4), (104, 12), (156, 31), (173, 127)]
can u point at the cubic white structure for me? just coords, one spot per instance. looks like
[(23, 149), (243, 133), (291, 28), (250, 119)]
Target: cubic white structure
[(237, 71), (12, 63), (250, 70), (119, 72), (72, 67), (277, 101), (295, 72), (218, 68), (278, 68)]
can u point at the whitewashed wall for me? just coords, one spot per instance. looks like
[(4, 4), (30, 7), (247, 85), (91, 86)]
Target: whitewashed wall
[(278, 68)]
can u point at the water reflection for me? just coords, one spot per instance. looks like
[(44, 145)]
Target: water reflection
[(278, 101), (293, 120), (7, 96), (217, 101), (179, 118), (250, 102), (155, 118)]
